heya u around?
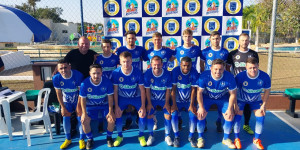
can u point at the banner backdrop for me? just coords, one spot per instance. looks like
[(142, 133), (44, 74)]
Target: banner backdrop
[(171, 17)]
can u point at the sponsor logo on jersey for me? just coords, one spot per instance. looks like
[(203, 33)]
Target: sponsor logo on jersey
[(73, 82), (233, 6), (90, 90), (181, 52), (121, 79), (210, 54), (132, 25), (103, 89), (151, 26), (163, 52), (211, 25), (209, 62), (232, 25), (163, 80), (62, 83), (171, 26), (192, 7), (259, 83), (113, 27), (222, 84), (212, 6), (133, 79), (209, 83), (151, 54), (131, 7), (101, 62), (245, 83), (111, 7), (237, 57), (151, 7), (179, 77)]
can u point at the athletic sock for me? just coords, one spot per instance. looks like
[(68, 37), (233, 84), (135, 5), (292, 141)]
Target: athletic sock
[(237, 125), (119, 126), (89, 135), (80, 128), (109, 134), (174, 122), (167, 127), (142, 123), (192, 123), (200, 127), (67, 126), (150, 124), (226, 127), (259, 126)]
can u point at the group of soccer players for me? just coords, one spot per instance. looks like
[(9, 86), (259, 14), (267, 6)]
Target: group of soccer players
[(117, 82)]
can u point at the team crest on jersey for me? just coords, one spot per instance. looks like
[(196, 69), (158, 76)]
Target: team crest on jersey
[(171, 43), (210, 54), (172, 7), (133, 25), (113, 61), (111, 7), (101, 62), (131, 7), (62, 83), (192, 24), (152, 80), (232, 25), (163, 52), (222, 84), (137, 53), (151, 7), (233, 6), (152, 26), (121, 79), (192, 51), (151, 54), (113, 27), (90, 90), (237, 57), (209, 62), (209, 83), (73, 83), (211, 24), (245, 83), (133, 79), (171, 26), (192, 7), (163, 81), (181, 52), (179, 77), (212, 6), (103, 89), (222, 54), (259, 83)]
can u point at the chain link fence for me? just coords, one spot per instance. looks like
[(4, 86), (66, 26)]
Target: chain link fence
[(63, 17)]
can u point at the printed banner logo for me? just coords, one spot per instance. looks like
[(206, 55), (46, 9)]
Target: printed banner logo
[(113, 27), (231, 43), (192, 7), (195, 42), (111, 7), (131, 7), (151, 7), (212, 6), (211, 24), (172, 7), (192, 24), (171, 26), (171, 43), (115, 43), (232, 25), (133, 25), (149, 44), (233, 6), (152, 26), (207, 43)]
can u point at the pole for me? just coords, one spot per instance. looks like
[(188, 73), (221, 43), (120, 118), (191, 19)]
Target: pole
[(82, 25), (272, 38)]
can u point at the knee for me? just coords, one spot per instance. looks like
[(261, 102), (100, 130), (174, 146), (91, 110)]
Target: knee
[(168, 117), (110, 121)]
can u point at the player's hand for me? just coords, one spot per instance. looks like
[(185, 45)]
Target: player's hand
[(149, 107), (65, 112), (111, 116), (201, 113), (193, 109), (168, 108), (142, 112), (174, 108), (263, 109), (118, 112), (85, 118), (229, 114), (115, 51)]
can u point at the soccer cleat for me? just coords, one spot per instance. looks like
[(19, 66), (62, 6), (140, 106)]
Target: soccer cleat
[(118, 141), (176, 142), (128, 123), (150, 140), (89, 144), (237, 143), (81, 144), (110, 142), (219, 126), (191, 140), (168, 140), (229, 143), (65, 144), (248, 129), (142, 141), (257, 143), (200, 142)]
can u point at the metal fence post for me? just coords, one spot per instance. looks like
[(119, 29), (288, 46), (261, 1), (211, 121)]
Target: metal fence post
[(82, 23)]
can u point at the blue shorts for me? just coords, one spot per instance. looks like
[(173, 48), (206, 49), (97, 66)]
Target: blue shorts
[(124, 102), (220, 103), (253, 105), (158, 103), (94, 111), (71, 107), (183, 105)]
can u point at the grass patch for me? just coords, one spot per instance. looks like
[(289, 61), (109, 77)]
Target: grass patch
[(18, 85)]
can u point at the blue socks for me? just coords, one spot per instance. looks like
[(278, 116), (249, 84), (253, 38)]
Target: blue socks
[(200, 127), (227, 126), (167, 127), (259, 126), (174, 122), (89, 135), (109, 134), (119, 126), (67, 127), (80, 128), (142, 123), (193, 123), (150, 124)]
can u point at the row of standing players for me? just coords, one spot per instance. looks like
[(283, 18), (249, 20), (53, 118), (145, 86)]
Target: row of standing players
[(157, 87)]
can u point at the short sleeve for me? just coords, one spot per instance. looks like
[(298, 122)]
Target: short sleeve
[(202, 55), (267, 82), (141, 78), (201, 81), (231, 82), (147, 79), (55, 81), (97, 60), (79, 78), (169, 81), (114, 78), (195, 77), (82, 92), (229, 58), (174, 76), (110, 89)]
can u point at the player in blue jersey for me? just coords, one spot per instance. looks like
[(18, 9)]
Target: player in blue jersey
[(158, 50), (208, 55), (129, 90), (107, 60), (158, 86), (96, 94), (251, 83), (216, 86), (66, 84), (188, 49), (184, 90)]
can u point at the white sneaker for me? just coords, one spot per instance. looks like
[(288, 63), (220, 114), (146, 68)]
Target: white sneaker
[(200, 142), (229, 143), (150, 140), (155, 123), (168, 140)]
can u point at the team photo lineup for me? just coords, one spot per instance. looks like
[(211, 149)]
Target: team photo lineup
[(115, 85)]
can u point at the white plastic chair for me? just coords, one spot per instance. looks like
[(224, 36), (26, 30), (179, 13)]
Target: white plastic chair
[(37, 116)]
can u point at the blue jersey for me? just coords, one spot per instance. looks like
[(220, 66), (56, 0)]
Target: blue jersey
[(216, 89), (69, 87), (108, 64), (158, 84), (192, 52), (96, 95), (164, 53), (184, 83), (128, 85), (249, 89), (208, 55), (137, 54)]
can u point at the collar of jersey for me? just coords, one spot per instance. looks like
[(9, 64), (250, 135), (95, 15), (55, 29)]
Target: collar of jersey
[(126, 74), (217, 79), (105, 56), (157, 49), (215, 49), (186, 47), (186, 73), (70, 75), (95, 84), (243, 51), (130, 48), (254, 77), (158, 75)]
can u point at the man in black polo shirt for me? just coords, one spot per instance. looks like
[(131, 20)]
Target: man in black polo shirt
[(237, 60)]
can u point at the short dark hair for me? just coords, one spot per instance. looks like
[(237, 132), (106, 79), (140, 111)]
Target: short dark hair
[(244, 34), (95, 66), (215, 33), (130, 32), (186, 59), (156, 58), (62, 61), (125, 54), (106, 41), (218, 61), (252, 60)]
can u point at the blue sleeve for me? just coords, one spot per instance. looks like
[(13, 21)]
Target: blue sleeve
[(82, 91), (97, 60), (79, 78), (238, 80), (110, 89), (114, 78), (195, 77), (202, 55), (141, 78), (55, 81), (146, 80), (267, 82), (169, 81), (231, 81), (174, 76)]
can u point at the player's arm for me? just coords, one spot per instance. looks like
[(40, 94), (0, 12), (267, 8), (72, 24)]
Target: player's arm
[(64, 111), (84, 116), (148, 97), (192, 104), (265, 99), (201, 112), (167, 101), (173, 96), (110, 107), (116, 100), (232, 102), (202, 65), (143, 101)]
